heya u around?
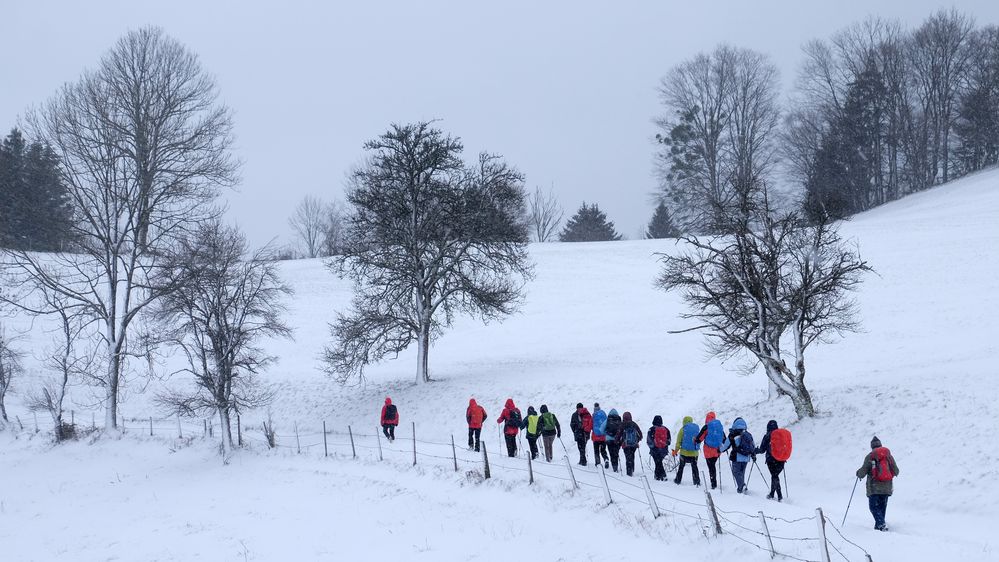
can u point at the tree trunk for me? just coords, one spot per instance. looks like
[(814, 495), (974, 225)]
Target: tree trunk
[(3, 411), (422, 371), (114, 367), (226, 428)]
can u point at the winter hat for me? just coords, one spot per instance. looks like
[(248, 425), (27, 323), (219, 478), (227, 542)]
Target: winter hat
[(627, 416), (613, 412), (687, 419), (509, 404), (875, 443), (596, 405), (710, 417), (739, 423), (657, 421), (388, 400), (771, 425), (579, 405), (530, 411), (544, 408)]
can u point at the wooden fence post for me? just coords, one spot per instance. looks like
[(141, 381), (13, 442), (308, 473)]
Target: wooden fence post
[(326, 449), (603, 477), (350, 432), (298, 440), (712, 513), (414, 443), (823, 544), (150, 426), (454, 454), (530, 469), (378, 435), (766, 531), (572, 476), (180, 431), (36, 421), (485, 460), (651, 496)]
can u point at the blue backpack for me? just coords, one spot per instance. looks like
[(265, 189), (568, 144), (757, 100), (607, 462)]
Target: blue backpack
[(716, 434), (631, 436), (690, 432), (747, 447)]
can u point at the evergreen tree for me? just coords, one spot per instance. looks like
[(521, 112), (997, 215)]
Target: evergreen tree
[(661, 225), (589, 224), (35, 213)]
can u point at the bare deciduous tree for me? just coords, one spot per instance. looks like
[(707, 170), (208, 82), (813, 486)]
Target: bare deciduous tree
[(544, 215), (226, 300), (144, 148), (10, 368), (334, 228), (427, 238), (309, 222), (774, 278)]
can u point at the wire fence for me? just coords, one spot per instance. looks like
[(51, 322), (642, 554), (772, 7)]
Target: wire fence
[(777, 536)]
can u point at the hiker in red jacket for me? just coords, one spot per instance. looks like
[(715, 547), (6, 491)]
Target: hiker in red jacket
[(512, 419), (390, 419), (474, 415)]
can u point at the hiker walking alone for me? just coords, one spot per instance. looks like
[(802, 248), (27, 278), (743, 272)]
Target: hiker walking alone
[(712, 435), (390, 419), (743, 449), (550, 429), (474, 415), (599, 435), (581, 424), (775, 466), (511, 419), (532, 430), (880, 470), (686, 442), (658, 440), (628, 438), (611, 429)]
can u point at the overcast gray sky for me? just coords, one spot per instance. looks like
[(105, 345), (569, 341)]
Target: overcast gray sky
[(566, 91)]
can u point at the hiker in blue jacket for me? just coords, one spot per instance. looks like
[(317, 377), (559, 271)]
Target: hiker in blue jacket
[(600, 435), (742, 449)]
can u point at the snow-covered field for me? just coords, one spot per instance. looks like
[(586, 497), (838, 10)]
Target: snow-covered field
[(921, 376)]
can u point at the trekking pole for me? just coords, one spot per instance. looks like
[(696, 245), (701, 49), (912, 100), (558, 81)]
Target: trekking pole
[(748, 479), (785, 481), (855, 482), (763, 476)]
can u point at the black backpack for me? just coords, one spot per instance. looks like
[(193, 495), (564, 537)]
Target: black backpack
[(391, 412), (513, 418), (747, 447)]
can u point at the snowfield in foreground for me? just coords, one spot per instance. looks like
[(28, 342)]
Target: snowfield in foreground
[(921, 376)]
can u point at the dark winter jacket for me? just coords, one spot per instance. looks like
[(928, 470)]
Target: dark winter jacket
[(475, 415), (627, 424), (613, 426), (387, 420), (734, 437), (556, 430), (650, 439), (579, 423), (765, 442), (508, 429), (874, 487)]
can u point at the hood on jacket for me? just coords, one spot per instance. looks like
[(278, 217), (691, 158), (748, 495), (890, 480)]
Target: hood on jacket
[(875, 443), (509, 404), (583, 410), (531, 411), (657, 421), (771, 425), (709, 418), (544, 408), (687, 419), (613, 412), (627, 416), (388, 401), (739, 423), (472, 403)]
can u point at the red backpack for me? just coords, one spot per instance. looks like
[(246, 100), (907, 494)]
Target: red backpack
[(780, 444), (660, 437), (587, 420), (880, 465)]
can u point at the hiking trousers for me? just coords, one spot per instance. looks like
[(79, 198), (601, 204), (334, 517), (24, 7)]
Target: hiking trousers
[(511, 445), (615, 457), (532, 443), (713, 471), (775, 467), (548, 440), (629, 460), (660, 473), (581, 444), (389, 431), (692, 461), (879, 505), (739, 473), (599, 449), (476, 433)]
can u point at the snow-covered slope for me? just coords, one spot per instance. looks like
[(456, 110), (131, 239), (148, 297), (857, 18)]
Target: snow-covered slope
[(921, 376)]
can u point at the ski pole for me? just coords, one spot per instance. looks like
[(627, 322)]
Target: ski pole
[(785, 481), (855, 482)]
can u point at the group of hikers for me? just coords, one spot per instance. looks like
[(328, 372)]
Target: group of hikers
[(612, 433)]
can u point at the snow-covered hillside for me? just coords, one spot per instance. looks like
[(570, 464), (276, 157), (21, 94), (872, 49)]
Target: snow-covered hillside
[(921, 376)]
